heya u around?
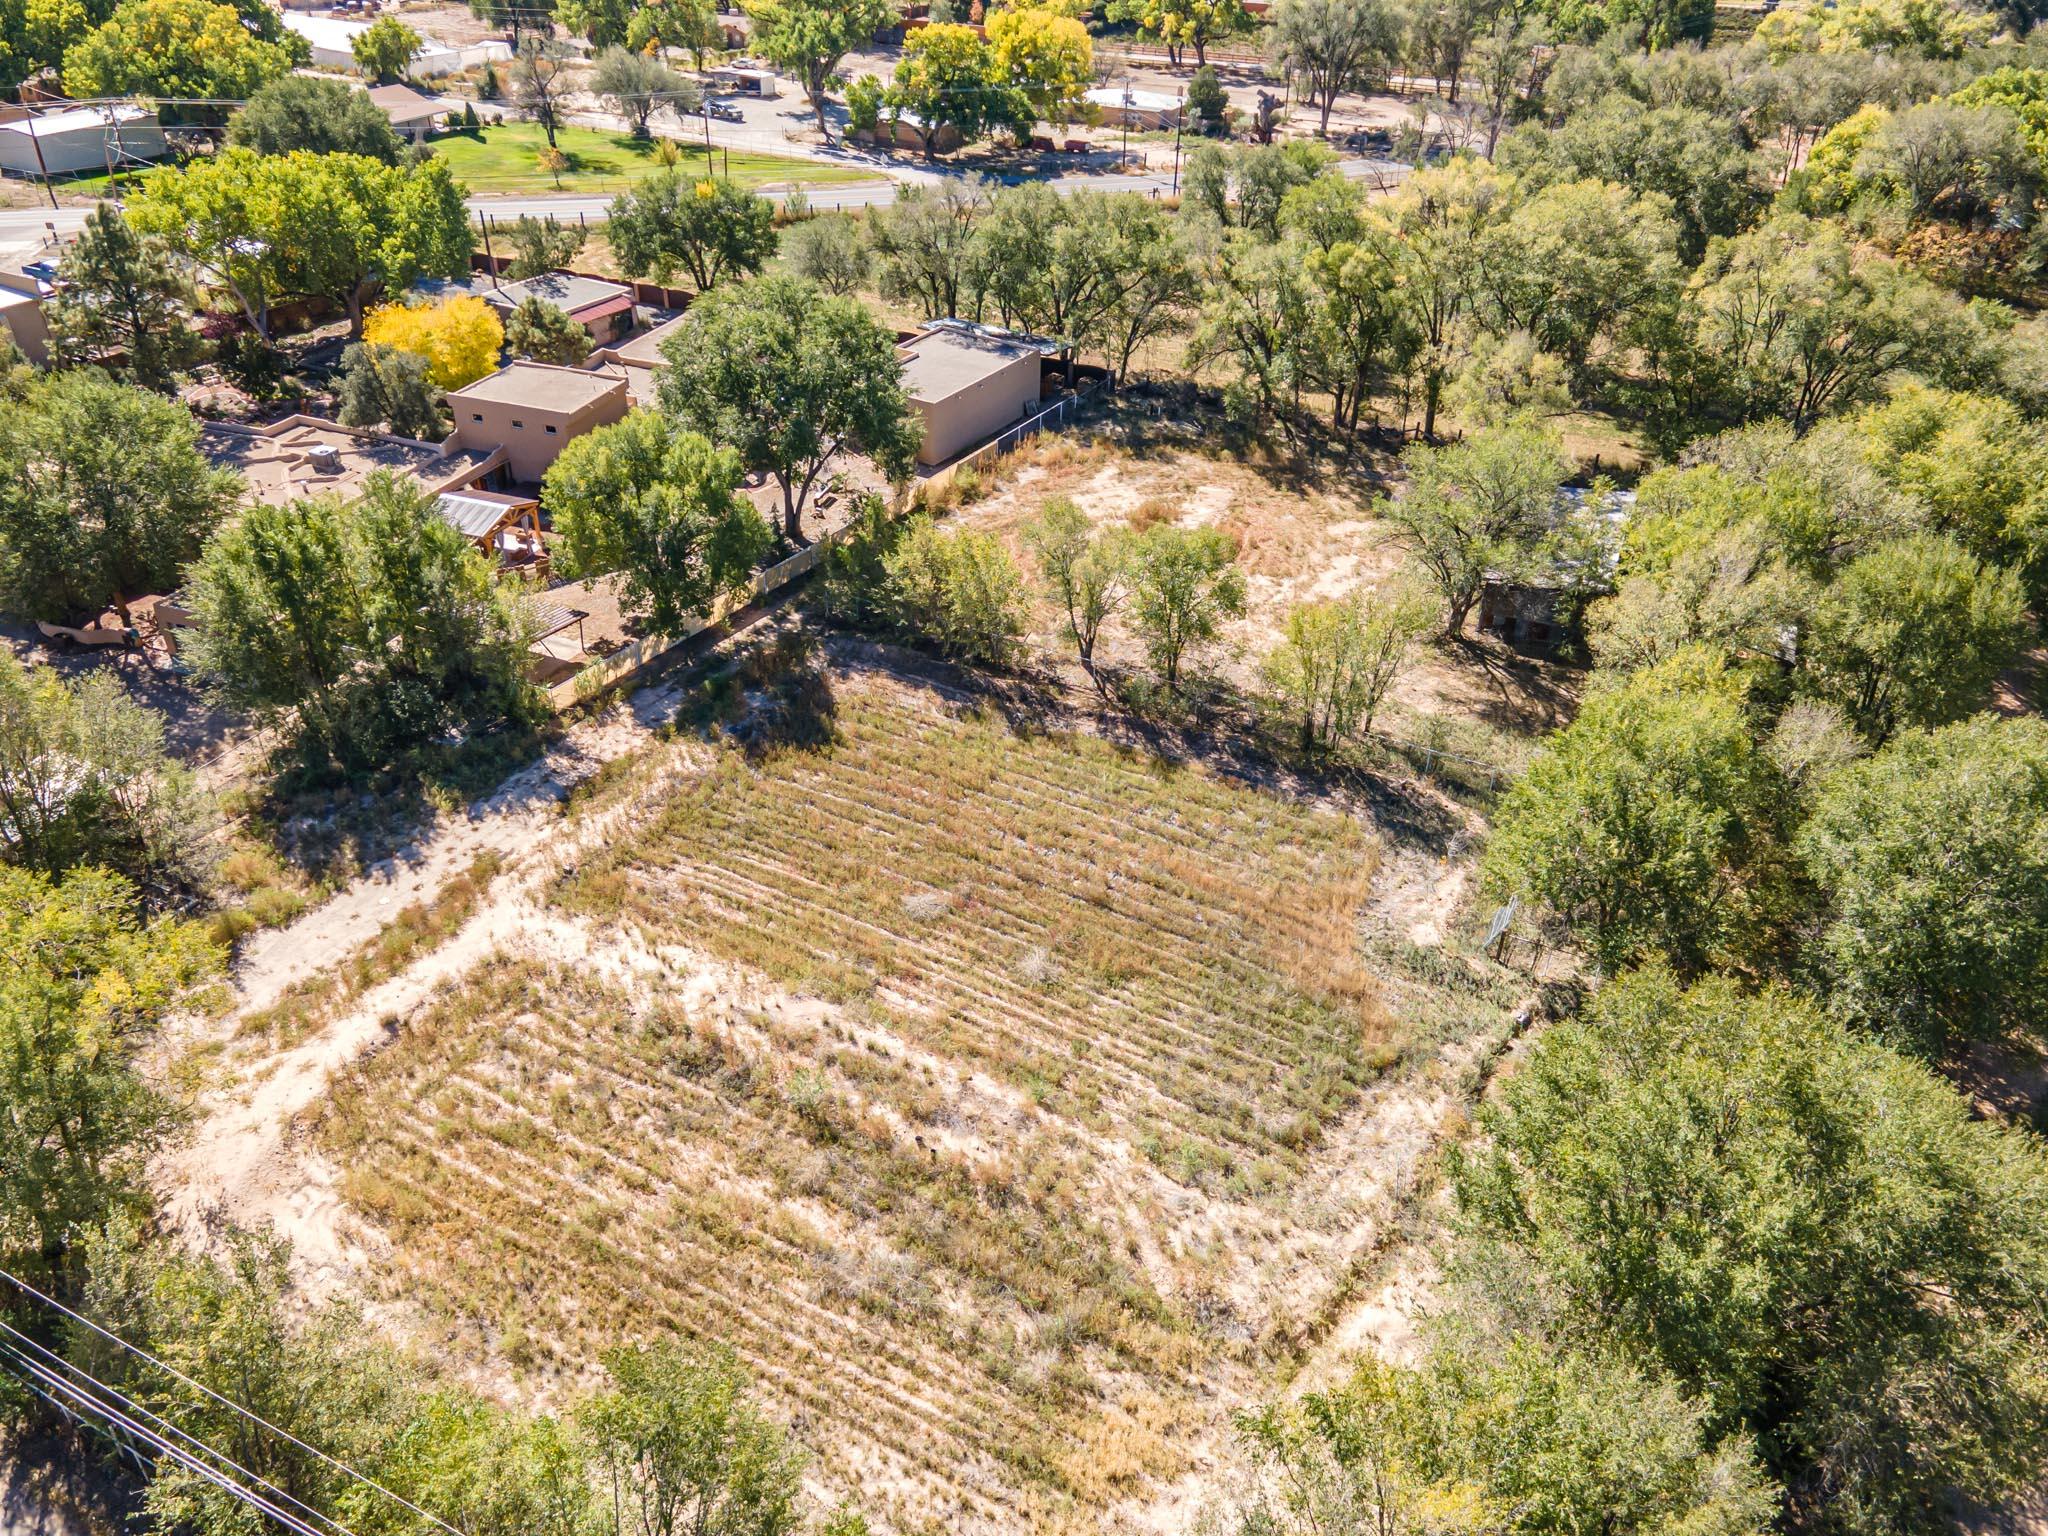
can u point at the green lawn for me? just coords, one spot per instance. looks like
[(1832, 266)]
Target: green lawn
[(505, 157)]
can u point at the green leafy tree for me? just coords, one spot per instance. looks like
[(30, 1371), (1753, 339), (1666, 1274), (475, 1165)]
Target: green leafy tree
[(1645, 824), (925, 249), (84, 780), (325, 117), (960, 591), (1257, 318), (605, 24), (678, 1441), (123, 296), (539, 82), (515, 17), (1334, 46), (1337, 659), (948, 77), (1483, 506), (809, 38), (1089, 573), (1932, 862), (542, 245), (1792, 321), (104, 495), (792, 379), (1244, 186), (387, 387), (86, 985), (1184, 583), (637, 87), (659, 506), (1806, 1230), (358, 630), (179, 49), (1184, 23), (1689, 155), (827, 250), (1517, 1440), (1579, 263), (1914, 633), (1207, 104), (711, 229), (691, 24), (384, 49), (339, 227), (547, 333)]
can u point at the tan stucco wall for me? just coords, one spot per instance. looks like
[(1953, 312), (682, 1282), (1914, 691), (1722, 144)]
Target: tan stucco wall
[(964, 420), (523, 429)]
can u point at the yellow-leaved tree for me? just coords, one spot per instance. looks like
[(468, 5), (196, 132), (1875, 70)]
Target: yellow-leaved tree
[(1047, 54), (460, 338)]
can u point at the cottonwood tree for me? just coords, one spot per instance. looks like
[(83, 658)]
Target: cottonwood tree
[(539, 83), (124, 295), (1483, 506), (1913, 633), (827, 250), (637, 87), (384, 49), (309, 113), (1045, 54), (460, 337), (711, 229), (792, 378), (104, 495), (1850, 1234), (659, 506), (387, 387), (1932, 862), (809, 38), (181, 50), (604, 24), (1337, 659), (959, 592), (1499, 1436), (677, 1439), (547, 333), (1089, 572), (358, 630), (1334, 45), (339, 227), (1184, 583), (1256, 319), (1183, 24), (1645, 824), (84, 779), (86, 985), (690, 24), (542, 245), (925, 249), (948, 77)]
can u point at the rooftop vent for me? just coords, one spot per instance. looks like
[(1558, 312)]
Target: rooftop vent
[(324, 458)]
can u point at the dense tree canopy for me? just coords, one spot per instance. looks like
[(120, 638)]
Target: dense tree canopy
[(310, 113)]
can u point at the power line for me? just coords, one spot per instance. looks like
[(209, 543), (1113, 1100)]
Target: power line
[(199, 1386), (69, 1399), (130, 1405)]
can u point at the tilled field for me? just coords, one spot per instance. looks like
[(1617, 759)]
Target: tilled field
[(939, 1050)]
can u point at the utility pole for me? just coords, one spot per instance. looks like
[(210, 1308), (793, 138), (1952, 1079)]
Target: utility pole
[(1179, 117), (483, 222), (36, 139)]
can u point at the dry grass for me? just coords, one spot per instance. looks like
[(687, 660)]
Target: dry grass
[(1049, 1013), (1150, 952)]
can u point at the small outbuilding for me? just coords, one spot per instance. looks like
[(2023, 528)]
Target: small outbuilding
[(75, 139), (969, 382)]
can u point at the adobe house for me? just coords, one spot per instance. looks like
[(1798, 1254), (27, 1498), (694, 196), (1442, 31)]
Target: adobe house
[(311, 456), (969, 382), (531, 410)]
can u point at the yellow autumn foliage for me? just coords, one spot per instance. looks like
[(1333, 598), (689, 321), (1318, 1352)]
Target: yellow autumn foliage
[(460, 338)]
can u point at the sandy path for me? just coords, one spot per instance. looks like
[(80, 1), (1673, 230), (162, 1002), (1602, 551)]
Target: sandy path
[(244, 1162)]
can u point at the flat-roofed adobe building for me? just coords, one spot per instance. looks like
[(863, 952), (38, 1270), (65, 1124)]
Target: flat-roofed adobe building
[(968, 384), (531, 410)]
